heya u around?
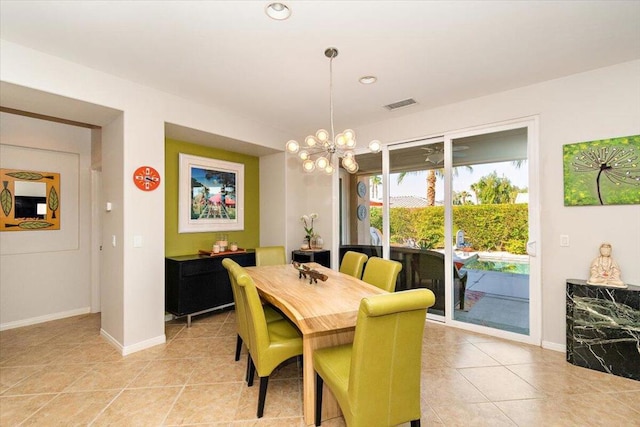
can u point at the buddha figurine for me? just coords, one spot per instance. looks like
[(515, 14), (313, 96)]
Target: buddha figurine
[(604, 270)]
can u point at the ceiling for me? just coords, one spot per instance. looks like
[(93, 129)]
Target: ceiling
[(230, 54)]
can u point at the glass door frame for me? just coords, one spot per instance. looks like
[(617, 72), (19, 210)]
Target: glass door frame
[(533, 245)]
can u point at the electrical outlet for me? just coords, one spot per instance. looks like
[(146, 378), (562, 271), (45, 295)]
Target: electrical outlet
[(564, 240)]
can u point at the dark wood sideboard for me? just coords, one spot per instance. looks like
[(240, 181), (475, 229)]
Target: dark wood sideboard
[(196, 284), (321, 256)]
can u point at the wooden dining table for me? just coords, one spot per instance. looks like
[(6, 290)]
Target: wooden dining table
[(325, 312)]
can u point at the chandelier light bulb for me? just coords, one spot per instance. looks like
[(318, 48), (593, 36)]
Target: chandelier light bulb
[(347, 162), (350, 134), (310, 140), (304, 154), (351, 143), (349, 153), (308, 165), (321, 162), (353, 168), (322, 135), (375, 146), (341, 140), (293, 146), (329, 169)]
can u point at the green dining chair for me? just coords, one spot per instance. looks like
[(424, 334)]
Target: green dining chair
[(270, 344), (376, 379), (353, 263), (382, 273), (270, 313), (270, 255)]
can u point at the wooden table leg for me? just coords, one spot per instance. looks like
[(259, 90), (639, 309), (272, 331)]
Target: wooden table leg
[(330, 408)]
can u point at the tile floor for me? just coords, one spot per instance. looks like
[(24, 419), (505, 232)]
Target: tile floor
[(63, 373)]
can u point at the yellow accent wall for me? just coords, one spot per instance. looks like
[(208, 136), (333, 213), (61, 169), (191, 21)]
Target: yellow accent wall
[(189, 243)]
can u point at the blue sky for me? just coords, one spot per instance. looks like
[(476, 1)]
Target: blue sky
[(415, 185)]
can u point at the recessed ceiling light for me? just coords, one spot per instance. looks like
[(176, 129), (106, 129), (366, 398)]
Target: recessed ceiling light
[(278, 11), (367, 80)]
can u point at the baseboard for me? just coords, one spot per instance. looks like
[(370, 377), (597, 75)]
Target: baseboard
[(127, 350), (144, 345), (111, 340), (45, 318), (554, 346)]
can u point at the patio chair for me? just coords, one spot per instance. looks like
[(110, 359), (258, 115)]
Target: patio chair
[(428, 272)]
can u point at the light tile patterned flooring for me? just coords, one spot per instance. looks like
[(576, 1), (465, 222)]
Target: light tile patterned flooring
[(63, 373)]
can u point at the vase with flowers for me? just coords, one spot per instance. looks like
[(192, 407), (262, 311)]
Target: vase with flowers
[(307, 223)]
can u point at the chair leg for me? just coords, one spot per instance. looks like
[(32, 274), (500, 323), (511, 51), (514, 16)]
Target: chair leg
[(238, 347), (251, 370), (415, 423), (249, 367), (463, 291), (264, 381), (318, 399)]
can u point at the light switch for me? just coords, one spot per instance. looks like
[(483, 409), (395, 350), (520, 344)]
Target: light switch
[(564, 240), (137, 241), (113, 240), (108, 207)]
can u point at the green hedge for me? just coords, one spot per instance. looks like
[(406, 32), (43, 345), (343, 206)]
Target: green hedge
[(486, 227)]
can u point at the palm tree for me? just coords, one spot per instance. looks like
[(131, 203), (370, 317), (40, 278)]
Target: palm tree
[(432, 175), (374, 182), (461, 197)]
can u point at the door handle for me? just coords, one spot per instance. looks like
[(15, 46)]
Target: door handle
[(531, 248)]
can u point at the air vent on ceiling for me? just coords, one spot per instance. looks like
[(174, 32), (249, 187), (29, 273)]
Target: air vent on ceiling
[(400, 104)]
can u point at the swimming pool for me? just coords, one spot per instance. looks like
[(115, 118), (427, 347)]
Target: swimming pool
[(499, 266)]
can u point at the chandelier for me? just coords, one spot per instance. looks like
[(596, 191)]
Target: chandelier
[(323, 151)]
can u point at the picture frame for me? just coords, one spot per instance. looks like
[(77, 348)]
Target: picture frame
[(211, 195), (602, 172), (30, 200)]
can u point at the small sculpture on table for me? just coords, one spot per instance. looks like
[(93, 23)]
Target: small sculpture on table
[(604, 270), (306, 271)]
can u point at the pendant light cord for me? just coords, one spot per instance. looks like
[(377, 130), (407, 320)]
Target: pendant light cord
[(333, 137)]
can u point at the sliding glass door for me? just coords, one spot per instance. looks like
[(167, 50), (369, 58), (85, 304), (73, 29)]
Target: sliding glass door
[(489, 197), (460, 213), (416, 217)]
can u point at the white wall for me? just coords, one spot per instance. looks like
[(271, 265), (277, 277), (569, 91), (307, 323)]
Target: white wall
[(599, 104), (133, 295), (273, 206), (45, 274)]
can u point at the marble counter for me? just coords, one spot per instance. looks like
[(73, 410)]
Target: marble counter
[(603, 328)]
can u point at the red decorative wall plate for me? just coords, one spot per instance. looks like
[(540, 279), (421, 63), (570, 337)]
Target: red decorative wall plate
[(146, 178)]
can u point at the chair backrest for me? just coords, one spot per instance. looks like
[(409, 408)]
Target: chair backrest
[(382, 273), (271, 255), (353, 263), (386, 361), (256, 321), (238, 298)]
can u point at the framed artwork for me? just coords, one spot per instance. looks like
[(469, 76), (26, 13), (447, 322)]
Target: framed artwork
[(211, 195), (30, 200), (603, 172)]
